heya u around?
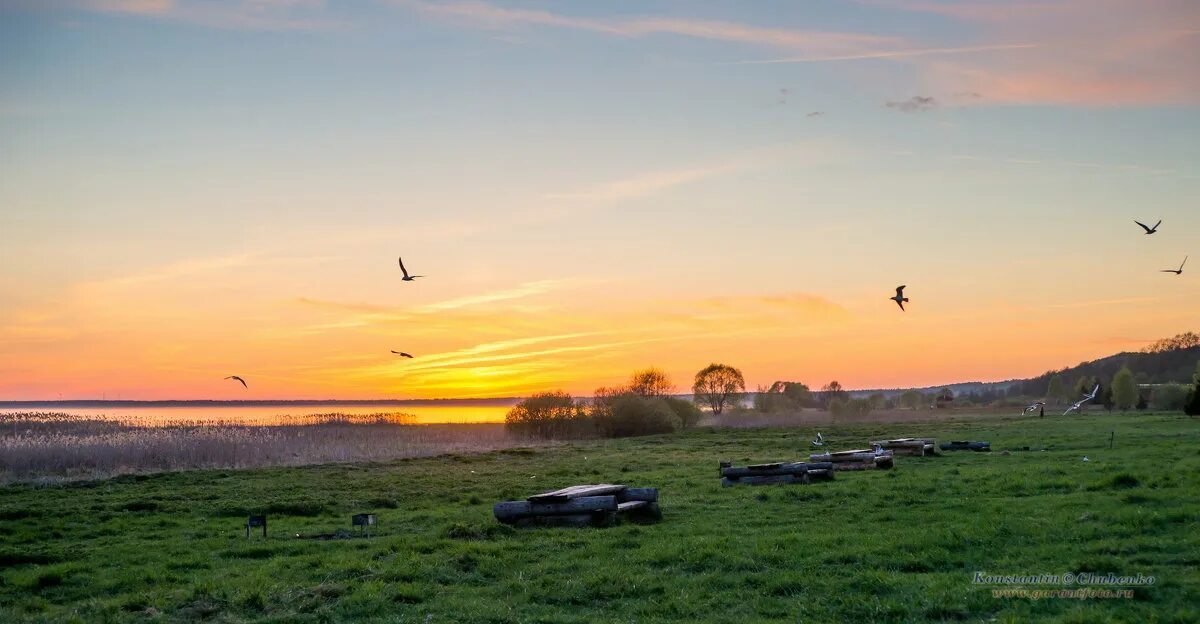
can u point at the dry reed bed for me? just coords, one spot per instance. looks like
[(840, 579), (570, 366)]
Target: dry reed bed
[(52, 446)]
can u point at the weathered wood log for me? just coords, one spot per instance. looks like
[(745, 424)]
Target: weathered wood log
[(794, 468), (507, 511), (843, 456), (598, 519), (649, 495), (820, 475), (766, 480), (575, 491), (963, 445)]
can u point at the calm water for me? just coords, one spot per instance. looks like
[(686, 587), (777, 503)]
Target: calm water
[(260, 415)]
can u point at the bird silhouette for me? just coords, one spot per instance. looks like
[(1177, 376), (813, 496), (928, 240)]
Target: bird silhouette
[(1149, 230), (900, 299), (407, 277), (236, 378), (819, 441), (402, 354), (1178, 271)]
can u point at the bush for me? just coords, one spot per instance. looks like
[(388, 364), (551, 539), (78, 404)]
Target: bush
[(1193, 405), (767, 401), (632, 415), (1169, 397), (548, 415), (687, 411)]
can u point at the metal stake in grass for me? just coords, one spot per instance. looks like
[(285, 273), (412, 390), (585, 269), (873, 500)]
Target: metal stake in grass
[(256, 521)]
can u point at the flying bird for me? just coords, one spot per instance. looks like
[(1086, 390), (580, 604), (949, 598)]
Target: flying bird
[(819, 441), (407, 277), (815, 114), (1033, 407), (900, 299), (1080, 403), (402, 354), (1149, 230), (236, 378), (1178, 271)]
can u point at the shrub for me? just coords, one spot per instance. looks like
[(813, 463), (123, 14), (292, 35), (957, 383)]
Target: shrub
[(765, 400), (632, 415), (837, 407), (1169, 397), (687, 411), (547, 415)]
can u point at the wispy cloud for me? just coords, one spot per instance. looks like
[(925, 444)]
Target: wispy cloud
[(644, 184), (492, 16), (521, 291), (1103, 302), (888, 54), (297, 15)]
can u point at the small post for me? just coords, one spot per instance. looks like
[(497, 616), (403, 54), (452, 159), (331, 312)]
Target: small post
[(364, 522), (256, 521), (1112, 436)]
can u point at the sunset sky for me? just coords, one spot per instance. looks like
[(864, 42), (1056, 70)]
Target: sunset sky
[(193, 189)]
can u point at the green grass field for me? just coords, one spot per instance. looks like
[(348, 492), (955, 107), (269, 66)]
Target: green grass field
[(901, 545)]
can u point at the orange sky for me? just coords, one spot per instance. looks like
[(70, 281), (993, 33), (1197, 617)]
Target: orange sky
[(190, 190)]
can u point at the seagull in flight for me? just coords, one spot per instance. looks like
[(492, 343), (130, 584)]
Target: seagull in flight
[(236, 378), (899, 298), (819, 441), (407, 277), (402, 354), (1033, 407), (1149, 230), (1178, 271), (1087, 397)]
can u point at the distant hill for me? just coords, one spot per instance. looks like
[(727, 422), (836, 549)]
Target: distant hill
[(1169, 360)]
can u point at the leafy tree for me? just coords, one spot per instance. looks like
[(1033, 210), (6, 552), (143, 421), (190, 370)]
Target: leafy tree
[(797, 393), (717, 385), (650, 382), (1054, 392), (833, 390), (1193, 405), (1124, 389), (837, 407)]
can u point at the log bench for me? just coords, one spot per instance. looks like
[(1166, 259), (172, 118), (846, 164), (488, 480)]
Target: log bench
[(859, 459), (779, 472), (909, 446), (581, 505)]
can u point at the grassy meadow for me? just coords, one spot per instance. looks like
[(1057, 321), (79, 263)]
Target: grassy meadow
[(880, 546)]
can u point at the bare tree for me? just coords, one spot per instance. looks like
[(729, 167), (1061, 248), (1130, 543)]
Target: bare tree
[(650, 382), (717, 385)]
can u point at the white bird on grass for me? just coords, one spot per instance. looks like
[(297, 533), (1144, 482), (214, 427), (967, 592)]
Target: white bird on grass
[(819, 441)]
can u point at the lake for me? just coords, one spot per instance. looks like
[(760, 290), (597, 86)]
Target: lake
[(151, 415)]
